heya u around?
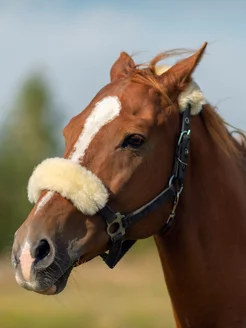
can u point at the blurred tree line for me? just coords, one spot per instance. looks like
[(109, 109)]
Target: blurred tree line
[(28, 135)]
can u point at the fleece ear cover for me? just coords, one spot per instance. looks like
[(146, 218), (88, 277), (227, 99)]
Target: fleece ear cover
[(72, 181)]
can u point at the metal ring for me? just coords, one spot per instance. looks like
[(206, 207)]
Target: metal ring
[(121, 229), (182, 135), (171, 180), (182, 162), (180, 187)]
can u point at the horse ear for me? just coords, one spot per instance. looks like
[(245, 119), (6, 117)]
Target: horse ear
[(180, 73), (121, 67)]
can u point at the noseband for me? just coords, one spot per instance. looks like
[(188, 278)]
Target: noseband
[(118, 223)]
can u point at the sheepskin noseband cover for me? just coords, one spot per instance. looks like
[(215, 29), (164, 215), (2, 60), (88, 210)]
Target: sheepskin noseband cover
[(72, 181)]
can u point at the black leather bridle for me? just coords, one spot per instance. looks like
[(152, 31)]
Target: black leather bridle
[(117, 223)]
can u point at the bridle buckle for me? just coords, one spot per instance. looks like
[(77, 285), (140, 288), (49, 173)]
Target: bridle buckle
[(175, 204), (116, 227)]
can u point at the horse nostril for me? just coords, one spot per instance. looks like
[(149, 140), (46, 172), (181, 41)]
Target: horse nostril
[(42, 250), (14, 261)]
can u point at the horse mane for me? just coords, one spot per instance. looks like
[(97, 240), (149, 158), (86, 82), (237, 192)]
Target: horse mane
[(239, 142), (217, 129), (147, 74)]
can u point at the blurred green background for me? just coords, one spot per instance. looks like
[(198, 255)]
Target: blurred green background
[(28, 134), (132, 295)]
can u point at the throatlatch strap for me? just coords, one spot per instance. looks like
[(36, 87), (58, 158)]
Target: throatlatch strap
[(160, 199)]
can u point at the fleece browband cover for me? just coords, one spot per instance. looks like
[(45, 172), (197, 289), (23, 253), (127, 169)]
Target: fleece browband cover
[(72, 181)]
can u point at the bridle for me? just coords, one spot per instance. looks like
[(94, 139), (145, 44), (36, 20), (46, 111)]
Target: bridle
[(118, 223), (49, 175)]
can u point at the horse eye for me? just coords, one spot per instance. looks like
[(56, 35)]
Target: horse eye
[(134, 141)]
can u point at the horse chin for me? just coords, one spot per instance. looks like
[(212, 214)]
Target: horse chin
[(58, 286), (61, 283)]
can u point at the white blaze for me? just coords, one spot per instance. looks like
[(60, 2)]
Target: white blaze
[(26, 261), (104, 112), (44, 200)]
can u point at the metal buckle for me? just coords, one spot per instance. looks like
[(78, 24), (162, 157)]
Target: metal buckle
[(177, 187), (182, 135), (120, 230), (175, 204)]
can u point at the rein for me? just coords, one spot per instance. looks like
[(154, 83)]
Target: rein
[(117, 223)]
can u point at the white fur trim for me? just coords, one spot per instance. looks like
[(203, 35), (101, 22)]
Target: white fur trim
[(192, 94), (72, 181), (105, 111), (160, 69)]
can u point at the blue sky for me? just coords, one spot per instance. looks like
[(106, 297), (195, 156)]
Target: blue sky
[(74, 44)]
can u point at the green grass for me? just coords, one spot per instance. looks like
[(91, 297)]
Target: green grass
[(131, 295)]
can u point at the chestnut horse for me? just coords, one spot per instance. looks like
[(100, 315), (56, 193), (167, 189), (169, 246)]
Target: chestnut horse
[(147, 157)]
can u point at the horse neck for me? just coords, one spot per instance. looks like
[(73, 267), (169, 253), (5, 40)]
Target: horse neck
[(209, 225)]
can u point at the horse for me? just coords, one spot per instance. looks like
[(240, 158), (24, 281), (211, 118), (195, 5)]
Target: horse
[(149, 156)]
